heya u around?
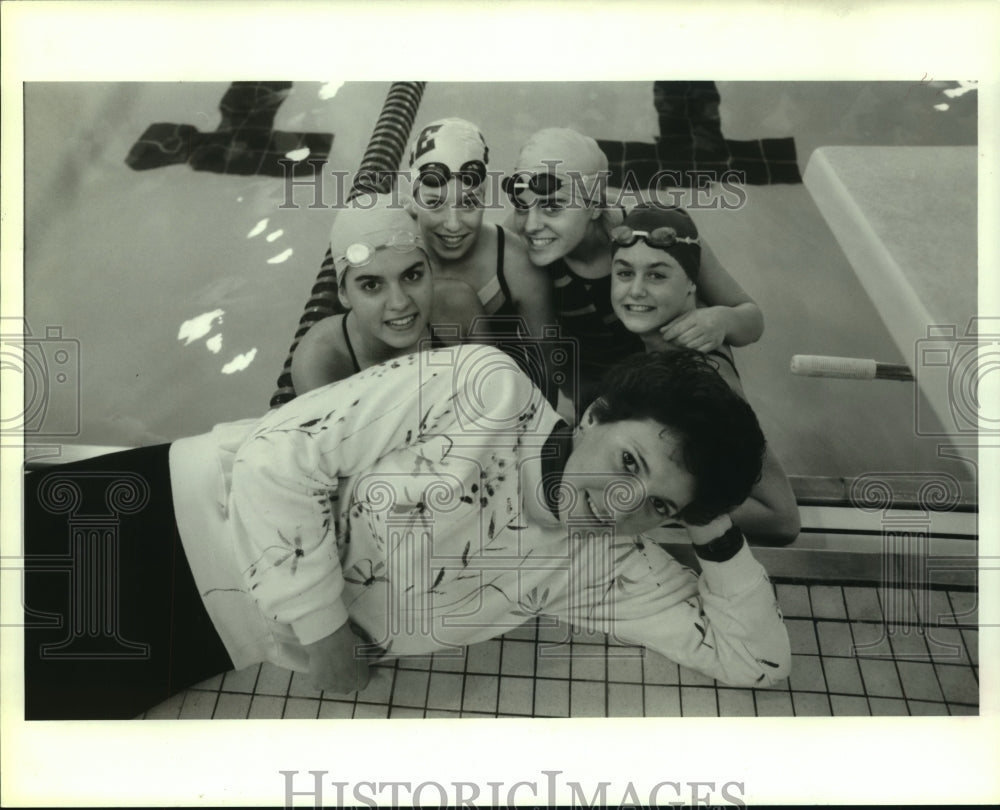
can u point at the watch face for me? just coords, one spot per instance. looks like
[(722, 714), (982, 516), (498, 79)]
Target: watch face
[(722, 548)]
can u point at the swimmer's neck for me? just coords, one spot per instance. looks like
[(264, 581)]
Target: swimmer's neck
[(592, 257), (654, 342), (470, 262), (371, 351)]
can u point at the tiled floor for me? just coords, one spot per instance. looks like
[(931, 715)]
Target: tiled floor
[(847, 661)]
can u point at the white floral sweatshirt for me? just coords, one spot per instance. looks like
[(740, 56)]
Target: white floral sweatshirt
[(394, 499)]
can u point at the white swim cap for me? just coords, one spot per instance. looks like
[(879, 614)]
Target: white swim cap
[(448, 147), (362, 229)]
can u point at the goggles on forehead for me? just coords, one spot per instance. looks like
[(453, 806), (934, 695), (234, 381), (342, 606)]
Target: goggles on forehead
[(662, 237), (471, 174), (542, 185), (360, 254)]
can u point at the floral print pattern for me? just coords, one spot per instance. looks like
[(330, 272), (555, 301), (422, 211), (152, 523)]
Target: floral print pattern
[(380, 500)]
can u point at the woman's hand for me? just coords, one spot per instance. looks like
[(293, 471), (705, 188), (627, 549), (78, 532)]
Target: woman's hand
[(703, 329), (333, 666)]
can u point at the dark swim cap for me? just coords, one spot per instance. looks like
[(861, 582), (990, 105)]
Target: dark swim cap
[(647, 218)]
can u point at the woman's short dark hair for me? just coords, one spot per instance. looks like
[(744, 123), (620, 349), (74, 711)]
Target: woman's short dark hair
[(723, 446)]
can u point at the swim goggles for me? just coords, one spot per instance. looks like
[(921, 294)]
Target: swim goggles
[(543, 185), (359, 254), (662, 237), (471, 174)]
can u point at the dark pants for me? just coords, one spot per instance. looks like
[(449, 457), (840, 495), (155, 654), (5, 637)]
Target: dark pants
[(114, 621)]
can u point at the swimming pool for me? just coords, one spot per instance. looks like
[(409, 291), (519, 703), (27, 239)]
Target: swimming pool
[(177, 292)]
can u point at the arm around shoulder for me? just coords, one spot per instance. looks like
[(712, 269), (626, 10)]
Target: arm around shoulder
[(716, 287)]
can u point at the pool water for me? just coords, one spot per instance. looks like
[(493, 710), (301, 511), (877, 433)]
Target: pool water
[(180, 290)]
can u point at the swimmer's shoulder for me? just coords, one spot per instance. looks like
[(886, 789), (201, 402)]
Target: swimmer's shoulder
[(722, 359), (322, 355), (516, 260), (456, 307)]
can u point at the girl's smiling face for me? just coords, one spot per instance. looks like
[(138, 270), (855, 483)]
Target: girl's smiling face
[(391, 296), (629, 474), (449, 217), (649, 288), (554, 226)]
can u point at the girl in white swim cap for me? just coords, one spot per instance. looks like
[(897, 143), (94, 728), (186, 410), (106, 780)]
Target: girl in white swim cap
[(447, 160), (385, 282)]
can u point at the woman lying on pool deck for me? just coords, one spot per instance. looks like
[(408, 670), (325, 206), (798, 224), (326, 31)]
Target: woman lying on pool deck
[(424, 504)]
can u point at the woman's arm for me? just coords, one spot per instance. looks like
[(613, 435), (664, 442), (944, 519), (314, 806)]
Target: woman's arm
[(725, 624), (285, 479), (731, 316), (770, 516)]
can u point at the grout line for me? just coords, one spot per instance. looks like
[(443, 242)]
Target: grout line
[(822, 668), (354, 699), (496, 700), (214, 705), (861, 583), (253, 689), (500, 675), (465, 676), (427, 691), (884, 621), (934, 666), (955, 616), (899, 676), (288, 690), (392, 689)]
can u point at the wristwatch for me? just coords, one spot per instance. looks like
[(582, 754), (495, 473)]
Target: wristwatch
[(722, 548)]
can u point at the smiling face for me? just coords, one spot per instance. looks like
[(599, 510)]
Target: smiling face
[(449, 217), (649, 288), (630, 473), (554, 226), (391, 296)]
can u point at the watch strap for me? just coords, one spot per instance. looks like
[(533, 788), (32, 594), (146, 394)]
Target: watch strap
[(722, 548)]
